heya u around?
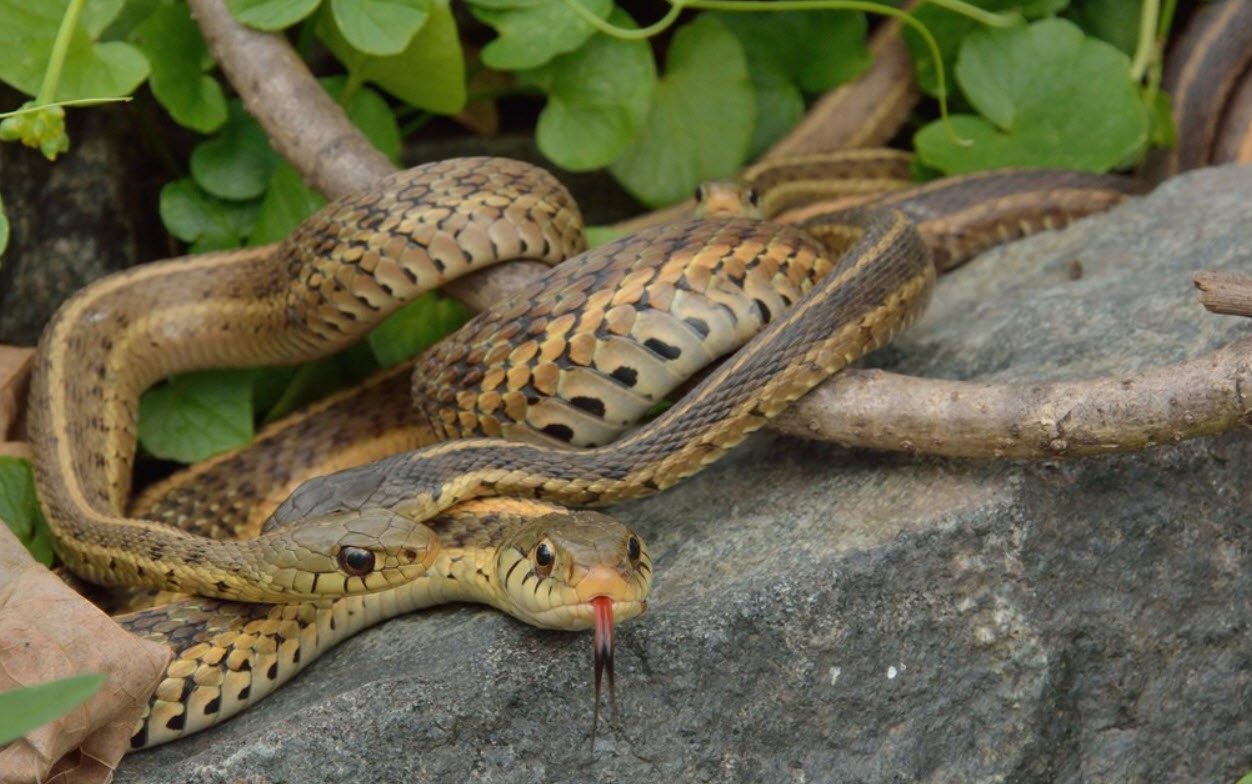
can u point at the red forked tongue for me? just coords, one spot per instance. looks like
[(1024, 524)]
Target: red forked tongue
[(603, 643)]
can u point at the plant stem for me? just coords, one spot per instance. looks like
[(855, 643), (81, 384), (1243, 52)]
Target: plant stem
[(627, 33), (52, 76), (1145, 47), (351, 84), (980, 15)]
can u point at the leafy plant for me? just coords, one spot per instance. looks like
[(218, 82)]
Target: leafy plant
[(19, 509)]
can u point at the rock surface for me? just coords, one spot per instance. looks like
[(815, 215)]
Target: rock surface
[(823, 614)]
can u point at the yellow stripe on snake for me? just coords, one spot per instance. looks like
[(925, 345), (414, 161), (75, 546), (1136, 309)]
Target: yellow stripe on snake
[(573, 361)]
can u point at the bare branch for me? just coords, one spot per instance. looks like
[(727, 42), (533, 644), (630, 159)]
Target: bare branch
[(1117, 413), (1225, 292)]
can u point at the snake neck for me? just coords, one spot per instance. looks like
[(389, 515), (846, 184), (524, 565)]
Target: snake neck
[(464, 575)]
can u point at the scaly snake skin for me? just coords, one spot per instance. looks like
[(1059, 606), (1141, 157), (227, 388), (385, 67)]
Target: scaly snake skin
[(341, 271)]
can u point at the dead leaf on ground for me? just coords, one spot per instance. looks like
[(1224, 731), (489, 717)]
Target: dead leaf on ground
[(48, 632), (16, 449), (15, 365)]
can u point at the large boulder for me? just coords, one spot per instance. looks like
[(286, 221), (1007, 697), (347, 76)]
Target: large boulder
[(822, 614)]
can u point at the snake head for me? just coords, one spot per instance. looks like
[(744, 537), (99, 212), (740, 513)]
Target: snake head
[(727, 198), (350, 552), (576, 570), (553, 567)]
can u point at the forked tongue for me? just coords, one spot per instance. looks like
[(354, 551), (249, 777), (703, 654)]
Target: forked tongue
[(603, 642)]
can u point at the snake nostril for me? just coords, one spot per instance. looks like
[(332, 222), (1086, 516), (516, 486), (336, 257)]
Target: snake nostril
[(355, 561)]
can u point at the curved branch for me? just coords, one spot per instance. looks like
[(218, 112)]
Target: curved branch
[(1118, 413)]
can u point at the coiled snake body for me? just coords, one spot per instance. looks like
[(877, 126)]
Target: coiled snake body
[(570, 362)]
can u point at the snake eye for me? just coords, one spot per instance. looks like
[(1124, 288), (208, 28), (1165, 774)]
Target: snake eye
[(355, 561), (544, 559), (752, 197), (633, 551), (699, 194)]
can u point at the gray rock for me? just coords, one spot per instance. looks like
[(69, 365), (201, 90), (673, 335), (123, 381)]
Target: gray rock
[(72, 220), (824, 614)]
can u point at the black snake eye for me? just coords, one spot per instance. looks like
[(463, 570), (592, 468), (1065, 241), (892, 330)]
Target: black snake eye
[(544, 559), (633, 550), (355, 561), (699, 194), (752, 197)]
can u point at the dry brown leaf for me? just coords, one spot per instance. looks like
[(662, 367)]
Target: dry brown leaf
[(15, 364), (16, 449), (48, 632)]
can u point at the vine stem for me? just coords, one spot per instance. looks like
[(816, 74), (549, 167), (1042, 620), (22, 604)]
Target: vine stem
[(1145, 47), (865, 6), (979, 15), (61, 45)]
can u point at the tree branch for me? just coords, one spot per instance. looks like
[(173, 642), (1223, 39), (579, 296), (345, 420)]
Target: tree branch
[(1117, 413), (1225, 292)]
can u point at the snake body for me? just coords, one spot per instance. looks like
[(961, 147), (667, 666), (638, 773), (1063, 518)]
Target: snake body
[(569, 362), (873, 290), (337, 274), (703, 287), (229, 655)]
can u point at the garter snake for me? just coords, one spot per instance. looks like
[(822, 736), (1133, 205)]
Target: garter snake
[(571, 361), (668, 300), (342, 269)]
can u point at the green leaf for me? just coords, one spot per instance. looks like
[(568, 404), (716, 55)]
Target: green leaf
[(1049, 96), (415, 327), (193, 416), (598, 98), (949, 29), (701, 119), (30, 707), (429, 73), (178, 58), (815, 49), (793, 53), (288, 200), (532, 32), (379, 27), (1114, 21), (236, 164), (208, 223), (271, 14), (315, 380), (91, 69), (779, 106), (19, 508)]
